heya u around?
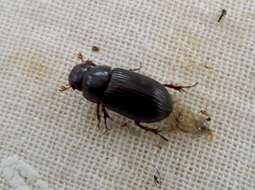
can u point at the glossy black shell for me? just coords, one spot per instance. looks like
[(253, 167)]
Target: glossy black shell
[(95, 81), (136, 96)]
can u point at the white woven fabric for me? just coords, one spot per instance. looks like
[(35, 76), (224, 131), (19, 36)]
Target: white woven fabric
[(175, 41)]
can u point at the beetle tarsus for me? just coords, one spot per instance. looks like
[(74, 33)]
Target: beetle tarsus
[(178, 87), (155, 131)]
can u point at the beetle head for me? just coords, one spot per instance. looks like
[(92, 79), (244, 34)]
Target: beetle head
[(77, 73)]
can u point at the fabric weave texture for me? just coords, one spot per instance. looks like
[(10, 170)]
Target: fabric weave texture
[(174, 41)]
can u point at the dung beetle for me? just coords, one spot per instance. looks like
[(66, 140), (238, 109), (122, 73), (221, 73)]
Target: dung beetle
[(133, 95)]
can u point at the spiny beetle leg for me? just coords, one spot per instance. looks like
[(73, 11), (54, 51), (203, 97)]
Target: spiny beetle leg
[(98, 115), (178, 87), (106, 116), (155, 131)]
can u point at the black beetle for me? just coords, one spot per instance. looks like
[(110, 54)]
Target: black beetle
[(138, 97)]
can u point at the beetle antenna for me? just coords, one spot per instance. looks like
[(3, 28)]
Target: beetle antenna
[(80, 57)]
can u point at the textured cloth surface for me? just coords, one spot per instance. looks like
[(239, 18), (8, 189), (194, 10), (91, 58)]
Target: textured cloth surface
[(175, 41)]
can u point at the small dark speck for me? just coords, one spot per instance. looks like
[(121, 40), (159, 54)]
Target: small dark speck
[(95, 49), (157, 179), (223, 13)]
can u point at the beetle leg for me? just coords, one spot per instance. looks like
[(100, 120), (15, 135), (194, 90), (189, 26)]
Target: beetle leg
[(106, 116), (155, 131), (98, 115), (179, 88)]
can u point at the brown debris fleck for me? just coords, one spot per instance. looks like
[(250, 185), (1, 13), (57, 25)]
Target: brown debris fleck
[(210, 136), (64, 87), (95, 49), (209, 66)]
